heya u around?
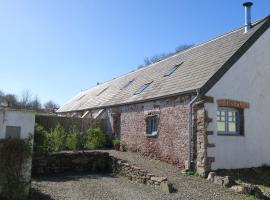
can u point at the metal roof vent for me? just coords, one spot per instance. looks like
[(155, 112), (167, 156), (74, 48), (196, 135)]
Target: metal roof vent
[(247, 6)]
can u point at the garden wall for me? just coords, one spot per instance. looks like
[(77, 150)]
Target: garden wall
[(96, 162)]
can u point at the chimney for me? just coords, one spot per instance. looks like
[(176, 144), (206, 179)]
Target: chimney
[(247, 6)]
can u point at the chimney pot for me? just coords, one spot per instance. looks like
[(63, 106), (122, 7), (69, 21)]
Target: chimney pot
[(247, 6)]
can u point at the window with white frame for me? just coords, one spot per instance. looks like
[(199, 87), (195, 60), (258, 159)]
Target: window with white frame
[(228, 121), (152, 123)]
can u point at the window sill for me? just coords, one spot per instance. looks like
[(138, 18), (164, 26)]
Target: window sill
[(151, 136), (229, 134)]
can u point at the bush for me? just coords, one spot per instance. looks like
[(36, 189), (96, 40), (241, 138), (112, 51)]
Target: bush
[(40, 139), (74, 140), (14, 154), (56, 139), (95, 139)]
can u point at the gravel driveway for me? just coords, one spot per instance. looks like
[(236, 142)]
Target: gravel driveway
[(96, 187), (87, 186)]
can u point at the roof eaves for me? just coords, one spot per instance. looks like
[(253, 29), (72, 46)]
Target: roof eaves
[(132, 102)]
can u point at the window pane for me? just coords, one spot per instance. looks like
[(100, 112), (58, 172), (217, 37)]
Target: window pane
[(221, 126), (152, 125), (221, 116), (232, 127), (231, 116)]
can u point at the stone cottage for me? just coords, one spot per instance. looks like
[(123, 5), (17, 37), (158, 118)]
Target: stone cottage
[(204, 108)]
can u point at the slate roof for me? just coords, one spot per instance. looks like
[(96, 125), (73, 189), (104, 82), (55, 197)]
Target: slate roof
[(201, 67)]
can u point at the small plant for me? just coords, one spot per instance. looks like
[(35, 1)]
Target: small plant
[(95, 139), (116, 144), (250, 198)]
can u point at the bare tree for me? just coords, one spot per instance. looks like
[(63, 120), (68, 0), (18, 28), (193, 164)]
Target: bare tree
[(162, 56), (26, 99), (183, 47), (35, 104), (51, 106), (2, 98)]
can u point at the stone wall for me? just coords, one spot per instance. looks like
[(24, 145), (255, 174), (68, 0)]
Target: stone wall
[(171, 143), (134, 173), (97, 162)]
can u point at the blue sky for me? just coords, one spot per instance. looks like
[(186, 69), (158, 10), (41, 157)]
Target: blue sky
[(56, 48)]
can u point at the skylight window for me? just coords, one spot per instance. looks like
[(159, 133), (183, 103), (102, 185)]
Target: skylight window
[(102, 91), (125, 86), (142, 88), (172, 70), (81, 97)]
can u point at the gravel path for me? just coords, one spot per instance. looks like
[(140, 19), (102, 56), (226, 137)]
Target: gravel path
[(94, 187), (188, 186), (101, 187)]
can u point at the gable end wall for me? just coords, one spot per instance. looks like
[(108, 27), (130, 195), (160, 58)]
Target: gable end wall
[(248, 81)]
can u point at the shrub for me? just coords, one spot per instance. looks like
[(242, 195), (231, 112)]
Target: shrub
[(14, 154), (40, 139), (95, 139), (56, 139), (74, 139)]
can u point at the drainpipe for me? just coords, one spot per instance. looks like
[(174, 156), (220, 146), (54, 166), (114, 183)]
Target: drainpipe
[(190, 127)]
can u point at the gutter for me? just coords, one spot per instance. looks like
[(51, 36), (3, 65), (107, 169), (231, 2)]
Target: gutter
[(128, 103), (190, 127)]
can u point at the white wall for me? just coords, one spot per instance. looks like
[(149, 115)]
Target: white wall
[(23, 119), (248, 80)]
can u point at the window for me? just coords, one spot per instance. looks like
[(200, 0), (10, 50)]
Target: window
[(142, 88), (228, 121), (13, 132), (125, 86), (173, 69), (102, 91), (152, 125), (81, 97)]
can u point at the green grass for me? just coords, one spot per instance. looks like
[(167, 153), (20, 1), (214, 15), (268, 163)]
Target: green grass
[(250, 198), (192, 173)]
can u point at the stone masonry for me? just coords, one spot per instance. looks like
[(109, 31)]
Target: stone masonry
[(201, 121), (171, 143)]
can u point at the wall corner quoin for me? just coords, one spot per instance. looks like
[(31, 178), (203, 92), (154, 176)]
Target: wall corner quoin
[(201, 144)]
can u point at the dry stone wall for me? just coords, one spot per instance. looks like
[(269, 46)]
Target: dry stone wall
[(137, 174), (96, 162)]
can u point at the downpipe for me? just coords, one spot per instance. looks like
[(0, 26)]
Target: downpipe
[(190, 127)]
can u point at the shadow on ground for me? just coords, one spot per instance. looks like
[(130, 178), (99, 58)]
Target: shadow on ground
[(38, 195), (65, 177)]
